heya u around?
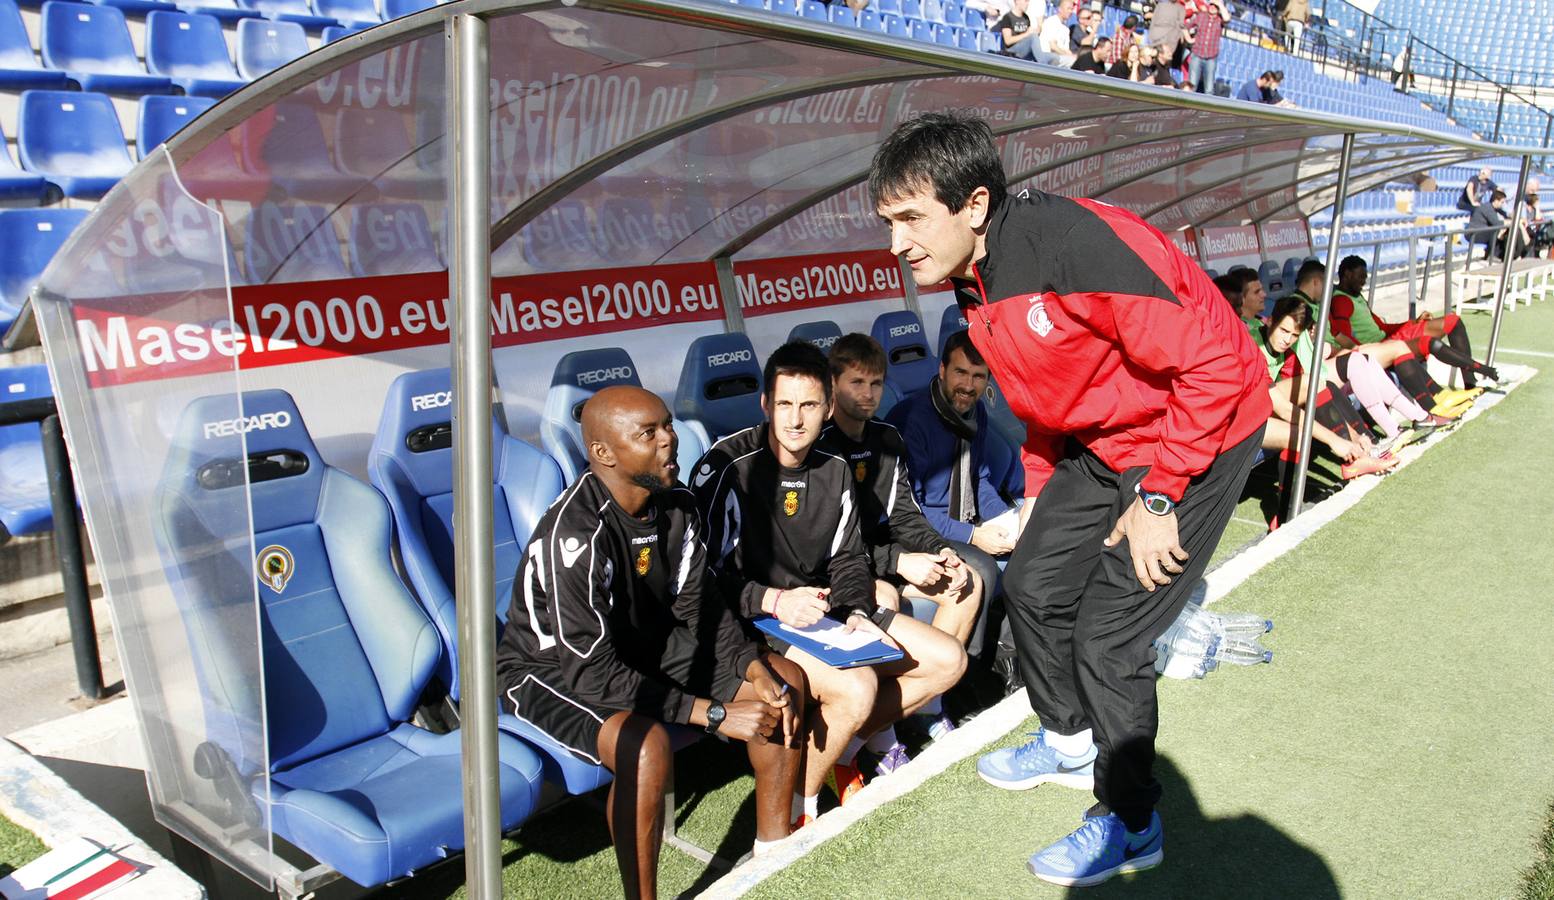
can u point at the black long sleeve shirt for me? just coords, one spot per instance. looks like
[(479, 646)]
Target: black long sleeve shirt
[(889, 517), (773, 526)]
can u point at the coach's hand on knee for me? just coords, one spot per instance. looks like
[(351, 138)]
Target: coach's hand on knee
[(749, 720), (1152, 543)]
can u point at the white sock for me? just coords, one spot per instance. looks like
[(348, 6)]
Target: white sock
[(762, 848), (882, 740), (812, 806), (850, 752), (1070, 745), (933, 708)]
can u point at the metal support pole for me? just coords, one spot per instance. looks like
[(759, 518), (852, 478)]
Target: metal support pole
[(469, 283), (72, 560), (1510, 256), (1375, 259), (1313, 366), (1424, 282), (1451, 250), (1413, 263), (1451, 96), (1499, 114)]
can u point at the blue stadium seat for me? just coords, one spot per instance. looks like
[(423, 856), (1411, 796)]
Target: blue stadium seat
[(974, 19), (293, 153), (869, 20), (411, 462), (91, 44), (822, 333), (296, 11), (191, 51), (909, 363), (291, 242), (912, 9), (951, 321), (720, 385), (887, 6), (352, 782), (842, 14), (392, 239), (19, 69), (19, 185), (333, 33), (923, 31), (225, 10), (814, 9), (72, 139), (263, 46), (579, 375), (30, 238), (1290, 271), (354, 14), (1271, 274), (140, 7), (161, 117), (24, 481), (966, 39), (953, 14), (752, 4), (895, 26)]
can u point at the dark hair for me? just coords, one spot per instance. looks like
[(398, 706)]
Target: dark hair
[(796, 358), (856, 350), (1290, 305), (1247, 276), (1497, 195), (1230, 285), (1131, 22), (1310, 267), (1349, 264), (961, 340), (951, 152)]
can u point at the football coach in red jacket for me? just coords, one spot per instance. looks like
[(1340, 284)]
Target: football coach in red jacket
[(1144, 402)]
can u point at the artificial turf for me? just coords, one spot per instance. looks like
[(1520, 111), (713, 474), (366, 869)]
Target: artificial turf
[(1396, 747), (18, 847), (1538, 880)]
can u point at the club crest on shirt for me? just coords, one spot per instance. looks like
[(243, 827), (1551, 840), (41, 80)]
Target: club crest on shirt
[(275, 566), (644, 560), (1036, 318), (790, 503), (861, 470)]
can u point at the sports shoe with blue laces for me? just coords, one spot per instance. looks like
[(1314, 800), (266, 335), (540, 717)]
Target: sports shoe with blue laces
[(1097, 850), (1035, 762)]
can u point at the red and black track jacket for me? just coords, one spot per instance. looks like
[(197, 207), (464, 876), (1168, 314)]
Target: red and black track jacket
[(1098, 328)]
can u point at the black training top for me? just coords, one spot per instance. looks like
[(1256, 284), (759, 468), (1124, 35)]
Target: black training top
[(599, 593), (888, 515), (772, 526)]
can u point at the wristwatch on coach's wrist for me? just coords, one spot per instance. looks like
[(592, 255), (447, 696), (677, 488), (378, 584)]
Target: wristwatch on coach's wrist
[(715, 714), (1155, 504)]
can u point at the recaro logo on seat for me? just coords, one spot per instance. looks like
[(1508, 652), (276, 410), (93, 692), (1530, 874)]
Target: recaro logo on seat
[(245, 424), (909, 328), (434, 400), (732, 356), (613, 373)]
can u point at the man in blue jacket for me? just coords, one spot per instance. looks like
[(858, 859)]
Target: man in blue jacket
[(945, 430)]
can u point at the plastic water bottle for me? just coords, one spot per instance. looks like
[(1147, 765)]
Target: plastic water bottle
[(1228, 623), (1186, 650), (1242, 652)]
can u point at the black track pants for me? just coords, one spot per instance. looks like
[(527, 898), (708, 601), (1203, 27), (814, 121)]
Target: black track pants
[(1083, 624)]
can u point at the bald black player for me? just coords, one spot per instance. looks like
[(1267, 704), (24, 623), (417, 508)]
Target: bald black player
[(614, 631)]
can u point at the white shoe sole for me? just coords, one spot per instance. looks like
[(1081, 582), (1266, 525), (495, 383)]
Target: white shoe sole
[(1075, 780), (1147, 861)]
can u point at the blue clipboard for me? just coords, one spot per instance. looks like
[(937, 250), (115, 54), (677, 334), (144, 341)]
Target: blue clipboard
[(870, 654)]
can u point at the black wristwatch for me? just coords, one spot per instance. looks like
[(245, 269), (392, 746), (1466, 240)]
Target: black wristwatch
[(715, 714), (1155, 504)]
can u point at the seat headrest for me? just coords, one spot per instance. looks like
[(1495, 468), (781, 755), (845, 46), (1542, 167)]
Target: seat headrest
[(908, 361), (593, 370), (952, 321), (720, 384), (285, 472), (416, 430), (822, 334)]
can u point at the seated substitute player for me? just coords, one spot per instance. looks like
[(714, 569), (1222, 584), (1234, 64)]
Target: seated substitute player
[(613, 631), (909, 556), (782, 525)]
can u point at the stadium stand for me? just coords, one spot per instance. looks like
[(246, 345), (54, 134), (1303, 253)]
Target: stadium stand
[(353, 783), (351, 14), (91, 44), (161, 116), (17, 185), (263, 46), (296, 11), (73, 139), (31, 237), (190, 50), (19, 69), (24, 484)]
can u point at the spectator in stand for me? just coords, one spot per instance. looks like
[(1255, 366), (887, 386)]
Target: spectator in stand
[(1142, 66), (1086, 32), (1208, 25), (1486, 216), (1264, 89), (1403, 70), (1165, 30), (1019, 37), (1296, 14), (991, 10), (1127, 36), (1093, 59), (1053, 46), (1476, 192)]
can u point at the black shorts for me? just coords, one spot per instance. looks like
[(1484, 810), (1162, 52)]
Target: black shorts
[(539, 695)]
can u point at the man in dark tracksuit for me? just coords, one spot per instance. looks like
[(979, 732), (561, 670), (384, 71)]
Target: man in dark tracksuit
[(1144, 401)]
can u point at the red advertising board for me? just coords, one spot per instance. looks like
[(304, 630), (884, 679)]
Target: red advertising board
[(789, 283), (1226, 247)]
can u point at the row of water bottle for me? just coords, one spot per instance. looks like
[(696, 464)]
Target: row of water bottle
[(1199, 640)]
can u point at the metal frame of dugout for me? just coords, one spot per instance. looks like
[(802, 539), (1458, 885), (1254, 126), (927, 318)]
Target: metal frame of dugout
[(737, 138)]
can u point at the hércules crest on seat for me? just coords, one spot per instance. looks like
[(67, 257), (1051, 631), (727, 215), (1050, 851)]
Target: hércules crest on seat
[(275, 567), (644, 560), (790, 503)]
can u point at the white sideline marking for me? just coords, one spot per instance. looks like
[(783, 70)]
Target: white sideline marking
[(1542, 353), (998, 719)]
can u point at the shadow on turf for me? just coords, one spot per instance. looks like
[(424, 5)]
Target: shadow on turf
[(1204, 858)]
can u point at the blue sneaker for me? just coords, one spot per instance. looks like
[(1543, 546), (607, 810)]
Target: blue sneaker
[(1097, 850), (1034, 762)]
